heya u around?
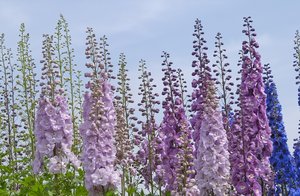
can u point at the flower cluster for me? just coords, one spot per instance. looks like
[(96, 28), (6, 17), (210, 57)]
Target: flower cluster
[(224, 81), (281, 159), (252, 166), (296, 65), (296, 155), (53, 123), (212, 157), (175, 132), (127, 137), (202, 73), (212, 163), (98, 128), (54, 134), (28, 85), (127, 133), (147, 154)]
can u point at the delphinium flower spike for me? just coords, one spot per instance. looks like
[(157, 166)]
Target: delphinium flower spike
[(235, 146), (98, 128), (27, 84), (125, 101), (296, 65), (67, 70), (201, 73), (11, 135), (147, 155), (123, 145), (177, 156), (6, 101), (252, 173), (224, 81), (53, 124), (286, 179), (212, 157), (212, 163), (225, 84)]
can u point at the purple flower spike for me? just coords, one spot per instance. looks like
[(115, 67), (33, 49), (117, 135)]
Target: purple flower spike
[(251, 144), (212, 163), (176, 168), (211, 153), (98, 128), (53, 124), (202, 75)]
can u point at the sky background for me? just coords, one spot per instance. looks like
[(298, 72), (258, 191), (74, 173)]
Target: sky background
[(143, 29)]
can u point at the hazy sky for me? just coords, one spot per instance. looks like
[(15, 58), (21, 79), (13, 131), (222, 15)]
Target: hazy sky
[(143, 29)]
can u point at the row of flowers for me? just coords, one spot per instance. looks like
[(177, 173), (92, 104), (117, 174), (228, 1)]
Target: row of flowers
[(208, 143)]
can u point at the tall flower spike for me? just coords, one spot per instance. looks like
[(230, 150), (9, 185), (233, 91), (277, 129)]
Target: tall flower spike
[(27, 84), (224, 80), (147, 155), (282, 162), (296, 65), (53, 124), (125, 100), (212, 163), (98, 128), (67, 69), (177, 155), (11, 137), (201, 74), (252, 171)]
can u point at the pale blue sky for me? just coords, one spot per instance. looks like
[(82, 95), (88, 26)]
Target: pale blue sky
[(143, 29)]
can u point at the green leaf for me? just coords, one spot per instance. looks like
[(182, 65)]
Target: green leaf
[(3, 192), (110, 193), (80, 191), (168, 193)]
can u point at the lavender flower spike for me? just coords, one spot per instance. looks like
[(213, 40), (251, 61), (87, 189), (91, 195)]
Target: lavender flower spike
[(176, 136), (212, 163), (98, 144), (253, 174), (53, 131), (53, 123), (98, 128)]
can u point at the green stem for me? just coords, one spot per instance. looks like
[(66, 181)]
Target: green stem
[(123, 183)]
